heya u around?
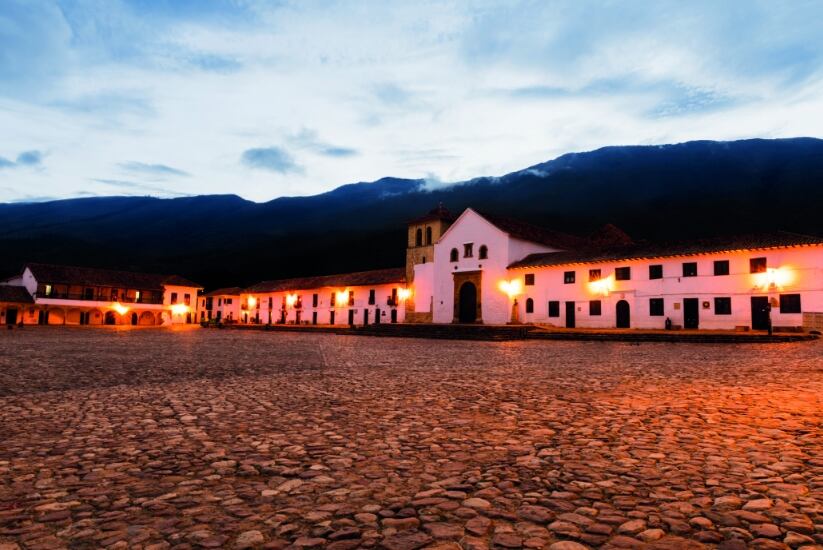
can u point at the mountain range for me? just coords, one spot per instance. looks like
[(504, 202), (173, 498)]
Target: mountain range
[(655, 193)]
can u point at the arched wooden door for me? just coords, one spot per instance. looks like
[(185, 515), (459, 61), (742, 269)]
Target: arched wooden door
[(468, 303), (624, 316)]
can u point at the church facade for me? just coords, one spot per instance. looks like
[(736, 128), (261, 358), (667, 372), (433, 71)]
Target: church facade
[(494, 270)]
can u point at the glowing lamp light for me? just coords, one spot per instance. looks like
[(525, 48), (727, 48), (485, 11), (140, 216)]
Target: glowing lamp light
[(602, 286), (511, 288), (179, 309), (404, 293), (341, 298), (252, 302), (119, 308), (291, 299), (774, 278)]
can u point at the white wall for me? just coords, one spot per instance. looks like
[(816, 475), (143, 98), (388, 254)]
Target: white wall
[(324, 308), (804, 266), (193, 303), (502, 250), (423, 287)]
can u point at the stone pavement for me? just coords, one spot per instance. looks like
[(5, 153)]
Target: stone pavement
[(228, 439)]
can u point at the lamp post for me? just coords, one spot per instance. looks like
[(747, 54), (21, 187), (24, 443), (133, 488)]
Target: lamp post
[(512, 289)]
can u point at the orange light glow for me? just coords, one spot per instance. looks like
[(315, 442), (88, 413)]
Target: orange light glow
[(602, 286), (404, 293), (119, 308), (774, 278), (291, 299), (179, 309), (252, 302), (511, 288), (342, 298)]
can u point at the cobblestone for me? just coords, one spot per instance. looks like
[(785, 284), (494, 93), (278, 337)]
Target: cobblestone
[(161, 439)]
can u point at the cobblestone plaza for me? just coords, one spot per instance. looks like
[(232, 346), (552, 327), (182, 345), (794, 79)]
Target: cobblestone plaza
[(187, 438)]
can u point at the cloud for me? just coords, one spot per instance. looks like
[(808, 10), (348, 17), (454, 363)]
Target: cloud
[(455, 90), (28, 159), (274, 159), (307, 139), (160, 170)]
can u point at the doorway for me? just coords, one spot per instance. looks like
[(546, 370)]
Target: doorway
[(377, 316), (331, 317), (760, 313), (365, 317), (691, 313), (394, 316), (468, 303), (351, 316), (11, 316), (110, 318), (570, 309), (624, 317)]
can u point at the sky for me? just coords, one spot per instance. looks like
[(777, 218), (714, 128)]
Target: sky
[(266, 99)]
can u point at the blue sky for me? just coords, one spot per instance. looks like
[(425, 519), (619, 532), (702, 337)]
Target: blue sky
[(265, 99)]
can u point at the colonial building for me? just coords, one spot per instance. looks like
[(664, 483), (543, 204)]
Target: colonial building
[(65, 295), (365, 297), (221, 305), (476, 268), (494, 270)]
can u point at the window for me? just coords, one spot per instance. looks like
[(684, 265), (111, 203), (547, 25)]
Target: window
[(393, 297), (351, 297), (528, 279), (428, 235), (220, 301), (655, 271), (529, 305), (554, 308), (690, 269), (48, 290), (594, 275), (453, 255), (623, 274), (418, 237), (656, 307), (757, 265), (468, 250), (333, 302), (721, 267), (371, 297), (594, 307), (568, 278), (790, 303), (484, 252), (314, 300), (722, 306), (227, 301), (271, 302), (187, 299), (174, 297), (137, 296)]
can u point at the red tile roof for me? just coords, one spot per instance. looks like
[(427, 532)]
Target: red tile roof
[(230, 291), (74, 275), (15, 294), (360, 278), (643, 251), (532, 233)]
